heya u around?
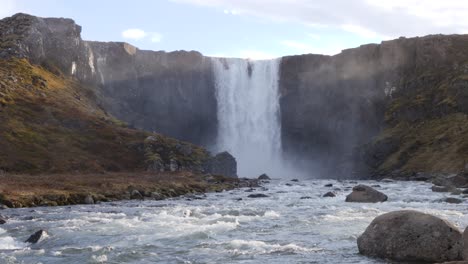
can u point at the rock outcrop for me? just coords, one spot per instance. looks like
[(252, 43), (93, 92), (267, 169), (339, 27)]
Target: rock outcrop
[(36, 237), (365, 194), (171, 93), (221, 164), (411, 236)]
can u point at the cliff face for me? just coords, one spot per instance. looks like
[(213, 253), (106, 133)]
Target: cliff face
[(172, 93), (398, 107), (379, 109)]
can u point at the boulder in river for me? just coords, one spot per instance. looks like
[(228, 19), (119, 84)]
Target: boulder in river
[(328, 185), (409, 235), (465, 244), (452, 200), (436, 188), (2, 220), (264, 177), (36, 237), (365, 194), (329, 194), (257, 195)]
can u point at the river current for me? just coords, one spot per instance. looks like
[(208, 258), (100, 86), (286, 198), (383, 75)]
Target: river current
[(294, 224)]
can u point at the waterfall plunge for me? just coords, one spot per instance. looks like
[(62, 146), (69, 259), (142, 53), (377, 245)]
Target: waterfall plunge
[(249, 115)]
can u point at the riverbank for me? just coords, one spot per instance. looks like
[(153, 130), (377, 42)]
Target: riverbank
[(68, 189)]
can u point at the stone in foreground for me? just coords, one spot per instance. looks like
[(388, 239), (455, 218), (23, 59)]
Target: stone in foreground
[(365, 194), (409, 235), (36, 237)]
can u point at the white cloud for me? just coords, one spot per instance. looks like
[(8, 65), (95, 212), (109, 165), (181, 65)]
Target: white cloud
[(134, 34), (365, 18), (139, 34)]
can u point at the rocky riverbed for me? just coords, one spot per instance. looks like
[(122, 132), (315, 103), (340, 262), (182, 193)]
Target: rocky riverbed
[(281, 222)]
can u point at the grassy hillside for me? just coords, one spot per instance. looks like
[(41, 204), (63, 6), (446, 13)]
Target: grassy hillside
[(426, 123), (51, 123)]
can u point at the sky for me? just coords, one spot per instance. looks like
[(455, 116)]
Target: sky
[(257, 29)]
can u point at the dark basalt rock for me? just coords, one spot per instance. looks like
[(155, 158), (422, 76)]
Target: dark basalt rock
[(36, 237), (222, 164), (411, 236), (365, 194), (257, 195), (264, 177)]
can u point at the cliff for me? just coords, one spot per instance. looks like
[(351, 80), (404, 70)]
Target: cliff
[(171, 93), (395, 108)]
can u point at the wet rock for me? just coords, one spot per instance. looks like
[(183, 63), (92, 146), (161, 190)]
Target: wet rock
[(376, 186), (2, 220), (257, 195), (89, 199), (264, 177), (288, 184), (411, 236), (387, 180), (465, 244), (157, 196), (456, 191), (337, 189), (221, 164), (3, 207), (305, 197), (36, 237), (329, 194), (436, 188), (295, 180), (135, 194), (453, 200), (465, 191), (328, 185), (365, 194)]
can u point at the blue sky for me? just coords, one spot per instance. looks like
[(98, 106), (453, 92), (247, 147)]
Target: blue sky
[(251, 28)]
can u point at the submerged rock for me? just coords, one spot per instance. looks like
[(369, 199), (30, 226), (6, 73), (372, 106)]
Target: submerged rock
[(365, 194), (257, 195), (329, 194), (295, 180), (409, 235), (328, 185), (436, 188), (453, 200), (36, 237), (2, 220), (264, 177)]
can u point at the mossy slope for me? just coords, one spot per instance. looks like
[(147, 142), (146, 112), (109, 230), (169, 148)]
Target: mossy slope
[(52, 123)]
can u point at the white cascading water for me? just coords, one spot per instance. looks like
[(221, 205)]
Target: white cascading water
[(249, 124)]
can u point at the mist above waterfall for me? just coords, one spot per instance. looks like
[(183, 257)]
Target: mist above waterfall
[(249, 125)]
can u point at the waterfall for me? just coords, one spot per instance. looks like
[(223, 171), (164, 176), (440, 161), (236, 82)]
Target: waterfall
[(249, 124)]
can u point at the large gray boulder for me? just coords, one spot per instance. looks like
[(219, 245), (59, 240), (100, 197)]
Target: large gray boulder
[(221, 164), (465, 244), (411, 236), (365, 194)]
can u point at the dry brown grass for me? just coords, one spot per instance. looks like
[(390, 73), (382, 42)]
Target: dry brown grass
[(56, 189)]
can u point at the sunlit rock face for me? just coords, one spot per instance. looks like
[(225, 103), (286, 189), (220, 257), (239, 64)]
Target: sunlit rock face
[(170, 93)]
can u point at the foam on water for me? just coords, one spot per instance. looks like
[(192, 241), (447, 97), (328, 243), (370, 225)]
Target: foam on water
[(281, 228)]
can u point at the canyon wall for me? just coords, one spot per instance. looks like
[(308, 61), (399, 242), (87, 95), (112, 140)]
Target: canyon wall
[(171, 93), (396, 108)]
